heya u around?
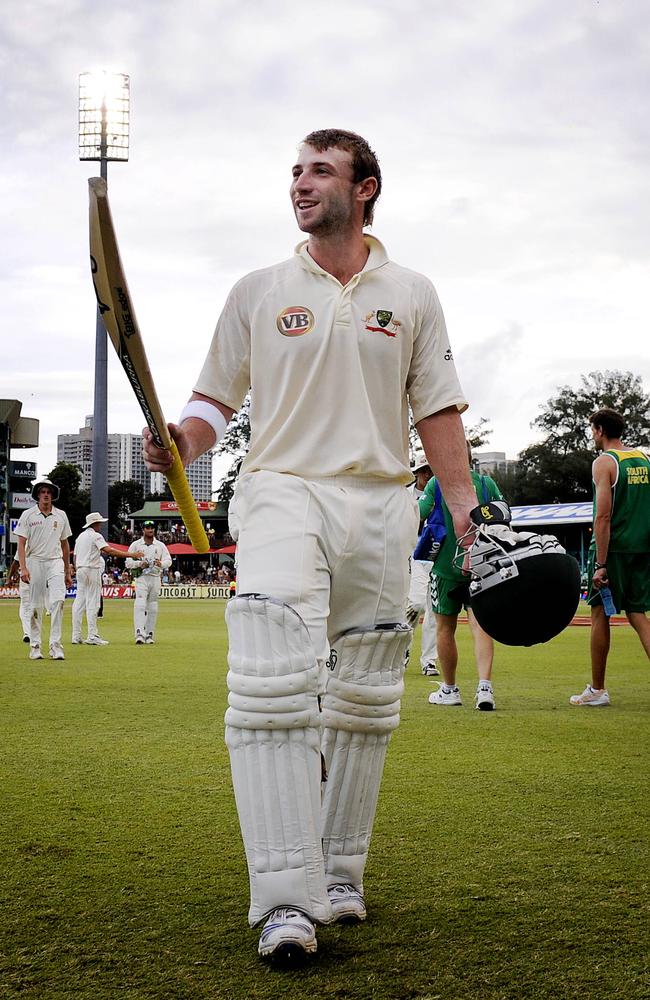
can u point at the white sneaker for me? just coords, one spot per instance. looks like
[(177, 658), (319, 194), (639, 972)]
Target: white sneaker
[(35, 653), (56, 651), (95, 640), (139, 639), (76, 640), (347, 902), (484, 698), (288, 935), (590, 698), (442, 697), (149, 640), (430, 669)]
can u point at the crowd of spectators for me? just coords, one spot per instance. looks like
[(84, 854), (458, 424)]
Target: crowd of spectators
[(173, 532), (181, 571)]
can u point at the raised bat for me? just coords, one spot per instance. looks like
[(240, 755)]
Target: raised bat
[(116, 309)]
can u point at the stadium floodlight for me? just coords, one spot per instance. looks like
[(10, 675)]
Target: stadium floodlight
[(104, 106)]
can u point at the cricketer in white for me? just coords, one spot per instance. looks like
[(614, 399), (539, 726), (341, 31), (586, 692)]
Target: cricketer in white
[(147, 557), (334, 343), (44, 559), (89, 548)]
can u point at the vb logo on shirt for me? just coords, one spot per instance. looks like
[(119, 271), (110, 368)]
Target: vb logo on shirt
[(295, 321)]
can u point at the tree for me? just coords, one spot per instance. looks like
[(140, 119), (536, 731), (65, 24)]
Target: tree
[(544, 475), (565, 418), (236, 441), (165, 495), (124, 498), (73, 500), (558, 469), (479, 433)]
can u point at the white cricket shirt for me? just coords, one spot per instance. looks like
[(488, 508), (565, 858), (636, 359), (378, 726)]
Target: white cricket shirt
[(43, 533), (332, 367), (87, 549), (157, 550)]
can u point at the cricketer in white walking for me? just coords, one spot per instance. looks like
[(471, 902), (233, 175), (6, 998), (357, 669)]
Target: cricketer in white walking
[(44, 559), (334, 344), (89, 549), (147, 557)]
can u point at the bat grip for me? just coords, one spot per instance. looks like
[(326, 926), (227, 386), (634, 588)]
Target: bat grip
[(187, 508)]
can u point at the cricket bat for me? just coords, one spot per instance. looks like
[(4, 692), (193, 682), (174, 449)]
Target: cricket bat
[(116, 309)]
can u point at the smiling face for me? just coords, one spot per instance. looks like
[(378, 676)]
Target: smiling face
[(325, 199)]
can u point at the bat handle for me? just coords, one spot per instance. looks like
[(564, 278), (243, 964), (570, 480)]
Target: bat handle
[(187, 508)]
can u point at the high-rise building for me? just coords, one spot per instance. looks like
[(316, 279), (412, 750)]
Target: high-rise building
[(125, 462), (492, 462)]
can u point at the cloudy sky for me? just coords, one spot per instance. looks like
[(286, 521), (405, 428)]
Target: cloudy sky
[(514, 139)]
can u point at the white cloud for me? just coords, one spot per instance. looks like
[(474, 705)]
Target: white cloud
[(514, 143)]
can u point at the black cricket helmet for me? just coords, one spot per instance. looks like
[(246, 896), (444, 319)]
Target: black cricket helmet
[(525, 588)]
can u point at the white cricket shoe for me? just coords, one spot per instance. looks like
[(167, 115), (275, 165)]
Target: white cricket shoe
[(430, 669), (347, 902), (95, 640), (56, 651), (139, 639), (35, 653), (76, 640), (149, 640), (450, 696), (288, 935), (484, 697), (590, 698)]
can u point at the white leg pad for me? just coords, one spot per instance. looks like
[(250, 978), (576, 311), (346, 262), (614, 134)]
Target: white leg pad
[(140, 605), (360, 711), (273, 735)]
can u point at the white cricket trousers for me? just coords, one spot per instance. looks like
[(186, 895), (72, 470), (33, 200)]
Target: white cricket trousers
[(46, 590), (25, 612), (145, 609), (420, 596), (336, 549), (89, 589)]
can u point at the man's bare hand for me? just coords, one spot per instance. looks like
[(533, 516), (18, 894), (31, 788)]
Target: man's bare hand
[(24, 575), (465, 532), (599, 579), (160, 459)]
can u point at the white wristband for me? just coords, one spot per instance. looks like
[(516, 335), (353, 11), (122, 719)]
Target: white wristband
[(208, 413)]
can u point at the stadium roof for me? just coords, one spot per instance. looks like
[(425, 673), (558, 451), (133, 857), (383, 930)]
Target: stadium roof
[(179, 549), (164, 510)]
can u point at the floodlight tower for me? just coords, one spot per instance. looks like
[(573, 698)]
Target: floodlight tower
[(104, 107)]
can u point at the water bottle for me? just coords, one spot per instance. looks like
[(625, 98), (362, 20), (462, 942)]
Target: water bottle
[(608, 601)]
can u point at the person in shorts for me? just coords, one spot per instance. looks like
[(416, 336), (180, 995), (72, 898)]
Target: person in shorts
[(619, 555), (449, 595)]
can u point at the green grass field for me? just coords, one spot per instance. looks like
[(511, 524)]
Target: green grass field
[(509, 861)]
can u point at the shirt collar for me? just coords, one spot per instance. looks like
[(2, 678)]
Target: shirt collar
[(377, 256)]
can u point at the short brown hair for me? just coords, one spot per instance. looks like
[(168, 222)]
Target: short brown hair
[(364, 161), (610, 422)]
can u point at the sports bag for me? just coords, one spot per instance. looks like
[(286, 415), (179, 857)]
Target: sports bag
[(434, 530)]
